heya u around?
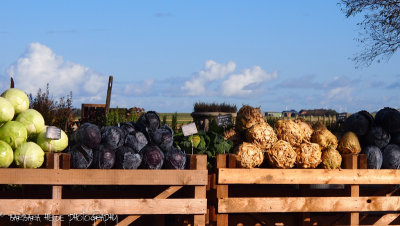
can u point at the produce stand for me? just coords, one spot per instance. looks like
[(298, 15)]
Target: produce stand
[(284, 196), (66, 202)]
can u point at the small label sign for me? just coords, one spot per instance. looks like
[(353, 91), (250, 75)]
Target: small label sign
[(224, 120), (53, 133), (189, 129)]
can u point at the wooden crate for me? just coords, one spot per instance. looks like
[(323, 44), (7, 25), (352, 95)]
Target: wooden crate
[(284, 197), (94, 192)]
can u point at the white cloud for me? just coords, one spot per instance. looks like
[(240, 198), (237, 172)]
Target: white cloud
[(40, 65), (341, 93), (213, 71), (240, 84), (139, 88)]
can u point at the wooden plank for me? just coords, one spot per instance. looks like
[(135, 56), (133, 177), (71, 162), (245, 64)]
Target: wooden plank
[(387, 219), (102, 177), (222, 190), (56, 190), (163, 195), (350, 161), (305, 218), (200, 162), (308, 204), (103, 206), (362, 161), (308, 176)]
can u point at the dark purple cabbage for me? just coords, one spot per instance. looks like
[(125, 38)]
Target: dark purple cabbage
[(359, 123), (175, 159), (112, 136), (395, 138), (389, 119), (136, 140), (163, 137), (391, 157), (127, 158), (104, 157), (378, 136), (128, 127), (152, 157), (374, 157), (81, 156), (148, 122), (88, 134)]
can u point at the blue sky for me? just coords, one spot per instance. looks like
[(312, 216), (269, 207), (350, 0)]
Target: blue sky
[(166, 55)]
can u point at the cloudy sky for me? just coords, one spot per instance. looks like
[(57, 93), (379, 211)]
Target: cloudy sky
[(165, 56)]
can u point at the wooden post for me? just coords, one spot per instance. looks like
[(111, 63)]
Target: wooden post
[(53, 161), (109, 89), (350, 161), (11, 82), (305, 218), (222, 191), (199, 162)]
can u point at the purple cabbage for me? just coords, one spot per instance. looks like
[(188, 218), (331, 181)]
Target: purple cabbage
[(127, 158), (389, 119), (136, 140), (152, 157), (104, 157), (395, 138), (128, 127), (148, 122), (175, 159), (88, 134), (374, 157), (112, 136), (81, 156), (378, 136), (163, 137), (359, 123), (391, 157)]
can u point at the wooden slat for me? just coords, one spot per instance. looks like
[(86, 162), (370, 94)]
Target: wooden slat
[(387, 219), (163, 195), (56, 190), (102, 177), (222, 190), (200, 162), (308, 204), (308, 176), (102, 206)]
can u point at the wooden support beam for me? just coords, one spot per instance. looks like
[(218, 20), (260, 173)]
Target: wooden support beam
[(387, 219), (56, 190), (102, 177), (222, 190), (199, 163), (308, 176), (308, 204), (163, 195), (102, 206)]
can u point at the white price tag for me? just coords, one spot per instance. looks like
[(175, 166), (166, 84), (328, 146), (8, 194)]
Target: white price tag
[(189, 129), (53, 133)]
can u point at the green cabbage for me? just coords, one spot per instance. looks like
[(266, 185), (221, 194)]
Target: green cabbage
[(6, 155), (17, 98), (32, 120), (29, 155), (6, 110), (13, 133), (50, 145)]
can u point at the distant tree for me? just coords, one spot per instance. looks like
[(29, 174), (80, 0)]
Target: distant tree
[(381, 26), (174, 122), (56, 113)]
